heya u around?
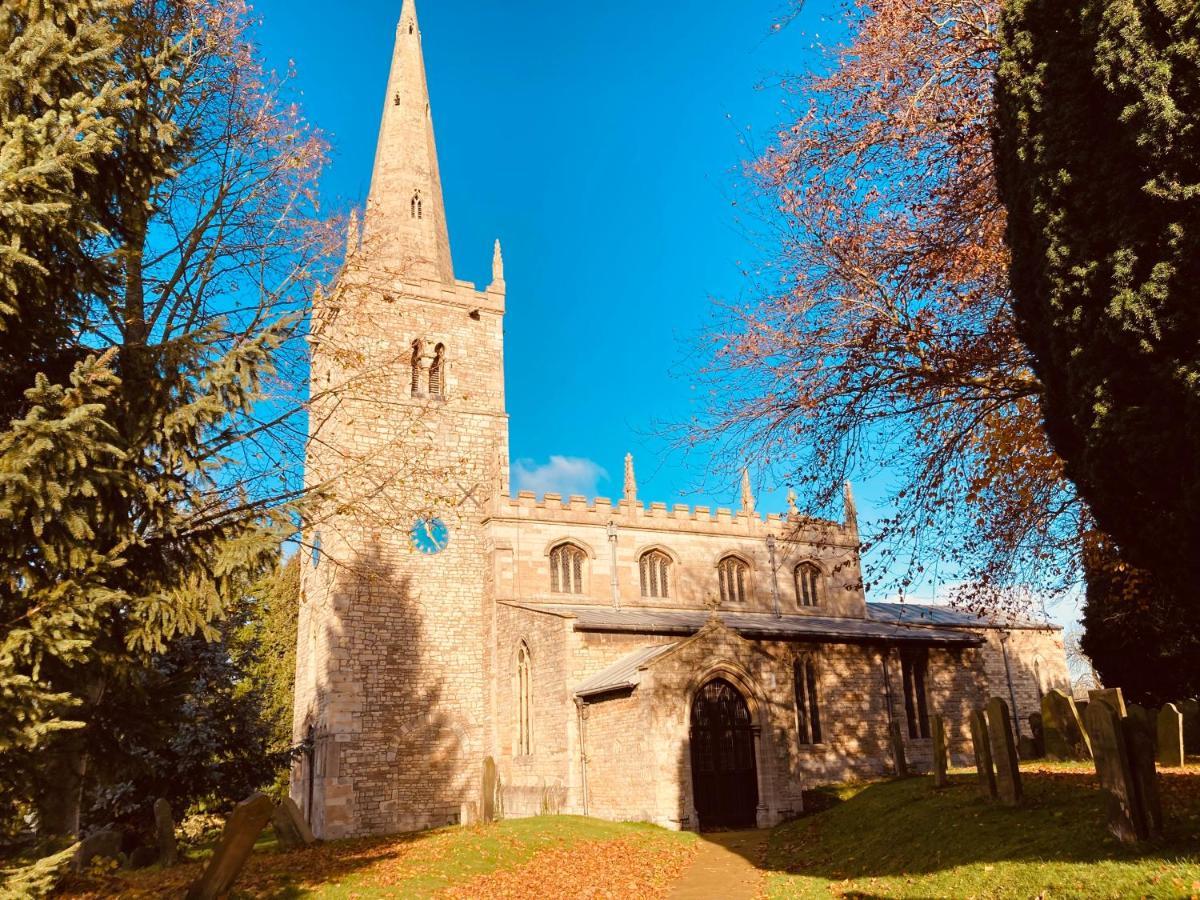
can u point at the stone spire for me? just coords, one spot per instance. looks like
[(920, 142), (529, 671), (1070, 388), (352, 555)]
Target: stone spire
[(791, 503), (405, 222), (851, 511), (630, 481), (497, 265), (747, 494)]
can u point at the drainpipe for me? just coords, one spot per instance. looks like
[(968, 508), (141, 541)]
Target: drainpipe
[(774, 576), (1012, 694), (612, 578), (579, 706)]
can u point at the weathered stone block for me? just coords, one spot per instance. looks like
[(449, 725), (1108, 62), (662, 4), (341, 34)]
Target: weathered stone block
[(899, 763), (102, 844), (1062, 728), (983, 754), (1170, 736), (1190, 710), (164, 832), (488, 791), (290, 828), (242, 829), (939, 752), (1113, 697), (1125, 817), (1004, 753), (1139, 730)]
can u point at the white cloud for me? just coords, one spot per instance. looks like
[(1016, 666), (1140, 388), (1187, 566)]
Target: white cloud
[(564, 475)]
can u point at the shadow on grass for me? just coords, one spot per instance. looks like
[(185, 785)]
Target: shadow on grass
[(906, 828)]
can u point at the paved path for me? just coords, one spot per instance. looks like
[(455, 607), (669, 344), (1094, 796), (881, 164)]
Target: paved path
[(725, 868)]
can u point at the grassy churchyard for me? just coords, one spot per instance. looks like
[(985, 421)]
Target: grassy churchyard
[(891, 838)]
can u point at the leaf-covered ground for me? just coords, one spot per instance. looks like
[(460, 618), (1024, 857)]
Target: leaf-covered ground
[(550, 856), (903, 839)]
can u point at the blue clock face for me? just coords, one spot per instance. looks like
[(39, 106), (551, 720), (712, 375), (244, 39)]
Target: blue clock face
[(430, 535)]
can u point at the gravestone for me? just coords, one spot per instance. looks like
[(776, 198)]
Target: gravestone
[(102, 844), (983, 754), (897, 743), (1140, 730), (164, 831), (1004, 752), (1026, 747), (1062, 729), (143, 856), (1113, 697), (242, 829), (468, 813), (1170, 736), (939, 752), (1146, 717), (1125, 817), (1039, 734), (487, 797), (1190, 709), (290, 828)]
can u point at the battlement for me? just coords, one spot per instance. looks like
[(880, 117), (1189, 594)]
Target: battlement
[(600, 511)]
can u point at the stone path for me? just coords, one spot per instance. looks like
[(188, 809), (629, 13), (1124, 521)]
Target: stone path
[(726, 866)]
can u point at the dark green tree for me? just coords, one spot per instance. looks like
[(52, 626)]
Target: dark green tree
[(1097, 150)]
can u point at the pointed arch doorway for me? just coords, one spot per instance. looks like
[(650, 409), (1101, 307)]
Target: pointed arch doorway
[(724, 770)]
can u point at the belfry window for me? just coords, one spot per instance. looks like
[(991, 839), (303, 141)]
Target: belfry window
[(808, 714), (437, 368), (566, 569), (524, 702), (808, 584), (416, 368), (732, 575), (414, 206), (655, 569), (915, 664)]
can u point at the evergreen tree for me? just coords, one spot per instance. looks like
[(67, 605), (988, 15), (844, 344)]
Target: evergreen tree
[(1098, 158), (266, 647), (137, 499)]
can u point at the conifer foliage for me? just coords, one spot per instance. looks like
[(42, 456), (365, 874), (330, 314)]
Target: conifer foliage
[(1098, 158), (160, 236)]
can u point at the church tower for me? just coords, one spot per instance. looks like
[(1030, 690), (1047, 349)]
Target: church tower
[(407, 446)]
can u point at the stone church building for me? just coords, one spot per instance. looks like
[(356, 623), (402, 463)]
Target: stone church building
[(682, 665)]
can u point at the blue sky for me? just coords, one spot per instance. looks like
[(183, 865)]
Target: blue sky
[(603, 144)]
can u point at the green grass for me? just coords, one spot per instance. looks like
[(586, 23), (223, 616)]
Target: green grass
[(903, 839)]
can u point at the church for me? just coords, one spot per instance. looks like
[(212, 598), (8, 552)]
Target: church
[(688, 666)]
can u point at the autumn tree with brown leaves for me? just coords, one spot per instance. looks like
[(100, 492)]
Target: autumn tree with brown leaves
[(882, 338)]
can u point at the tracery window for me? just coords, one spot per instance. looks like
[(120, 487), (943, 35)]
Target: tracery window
[(437, 369), (566, 569), (524, 702), (655, 571), (416, 368), (414, 206), (732, 574), (808, 584), (808, 713), (915, 664)]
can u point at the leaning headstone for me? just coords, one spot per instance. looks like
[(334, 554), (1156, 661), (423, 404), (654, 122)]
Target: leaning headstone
[(983, 754), (897, 744), (1004, 753), (105, 843), (1170, 736), (1113, 697), (164, 831), (1190, 710), (939, 752), (290, 828), (1062, 730), (1039, 735), (1125, 818), (1139, 730), (1147, 718), (487, 797), (242, 829), (468, 813)]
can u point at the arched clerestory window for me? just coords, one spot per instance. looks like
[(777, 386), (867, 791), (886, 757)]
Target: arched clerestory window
[(416, 368), (732, 575), (655, 570), (808, 584), (524, 702), (566, 569), (414, 206), (808, 712), (437, 371)]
